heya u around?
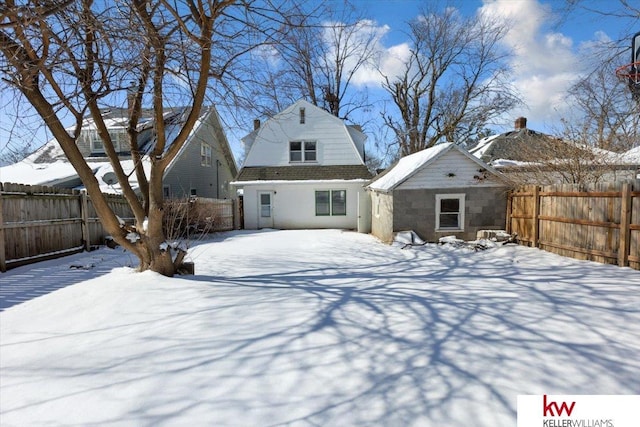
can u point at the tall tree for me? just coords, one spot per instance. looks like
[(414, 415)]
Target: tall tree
[(74, 57), (453, 82), (317, 56)]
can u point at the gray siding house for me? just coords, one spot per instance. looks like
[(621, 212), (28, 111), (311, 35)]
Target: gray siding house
[(204, 167), (438, 192)]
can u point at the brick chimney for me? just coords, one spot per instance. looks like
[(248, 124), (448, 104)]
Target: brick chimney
[(521, 123), (256, 124)]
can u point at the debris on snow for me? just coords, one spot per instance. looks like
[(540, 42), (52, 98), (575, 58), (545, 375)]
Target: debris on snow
[(408, 238), (475, 245)]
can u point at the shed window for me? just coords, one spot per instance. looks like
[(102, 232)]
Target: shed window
[(450, 212)]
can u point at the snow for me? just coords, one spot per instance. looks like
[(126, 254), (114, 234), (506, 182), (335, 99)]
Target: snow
[(407, 166), (633, 155), (313, 327), (483, 145)]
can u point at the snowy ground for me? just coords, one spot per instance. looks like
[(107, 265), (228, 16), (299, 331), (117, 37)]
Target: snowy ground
[(313, 328)]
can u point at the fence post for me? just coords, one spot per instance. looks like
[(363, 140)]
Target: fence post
[(625, 229), (509, 211), (536, 215), (3, 260), (84, 213)]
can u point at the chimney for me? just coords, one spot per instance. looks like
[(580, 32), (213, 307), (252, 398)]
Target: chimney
[(521, 123), (256, 124)]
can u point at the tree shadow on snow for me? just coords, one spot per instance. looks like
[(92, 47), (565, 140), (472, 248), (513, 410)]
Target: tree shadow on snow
[(434, 339)]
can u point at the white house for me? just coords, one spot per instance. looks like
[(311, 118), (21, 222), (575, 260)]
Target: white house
[(305, 168)]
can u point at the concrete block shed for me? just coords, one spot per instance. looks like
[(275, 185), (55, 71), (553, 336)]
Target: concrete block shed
[(437, 192)]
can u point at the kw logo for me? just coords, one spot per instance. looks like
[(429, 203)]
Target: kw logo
[(551, 409)]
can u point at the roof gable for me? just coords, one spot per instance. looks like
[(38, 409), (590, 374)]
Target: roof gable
[(411, 165), (337, 143)]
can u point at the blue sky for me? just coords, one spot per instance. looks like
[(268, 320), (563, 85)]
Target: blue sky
[(550, 47)]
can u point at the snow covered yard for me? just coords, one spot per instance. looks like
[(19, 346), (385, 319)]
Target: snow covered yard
[(316, 328)]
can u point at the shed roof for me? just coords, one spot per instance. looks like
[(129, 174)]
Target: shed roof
[(407, 166)]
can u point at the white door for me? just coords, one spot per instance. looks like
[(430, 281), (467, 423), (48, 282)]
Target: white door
[(265, 209)]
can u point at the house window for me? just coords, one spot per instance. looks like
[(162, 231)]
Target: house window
[(302, 151), (205, 155), (118, 138), (450, 212), (193, 192), (331, 203), (166, 192), (302, 116)]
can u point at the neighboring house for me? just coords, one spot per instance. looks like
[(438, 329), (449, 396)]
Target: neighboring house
[(304, 168), (438, 192), (204, 167), (526, 156)]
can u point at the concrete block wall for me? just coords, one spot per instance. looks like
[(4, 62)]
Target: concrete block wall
[(485, 208)]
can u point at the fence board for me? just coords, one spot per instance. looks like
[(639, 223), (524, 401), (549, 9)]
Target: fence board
[(599, 223), (38, 222)]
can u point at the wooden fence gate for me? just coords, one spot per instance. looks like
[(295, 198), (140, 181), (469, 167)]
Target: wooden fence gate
[(596, 223)]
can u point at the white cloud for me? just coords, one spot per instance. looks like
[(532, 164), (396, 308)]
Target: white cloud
[(544, 61), (388, 60)]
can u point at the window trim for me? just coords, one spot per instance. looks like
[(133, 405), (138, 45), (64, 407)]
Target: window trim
[(118, 138), (206, 155), (331, 211), (303, 151), (461, 209)]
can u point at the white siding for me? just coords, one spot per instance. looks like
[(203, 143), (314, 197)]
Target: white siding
[(452, 170), (293, 205), (334, 143)]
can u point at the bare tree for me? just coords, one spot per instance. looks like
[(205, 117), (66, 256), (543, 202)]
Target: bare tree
[(316, 57), (453, 82), (74, 57), (606, 117)]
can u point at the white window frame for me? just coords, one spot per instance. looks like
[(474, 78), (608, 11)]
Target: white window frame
[(331, 206), (461, 207), (118, 138), (303, 152), (206, 155)]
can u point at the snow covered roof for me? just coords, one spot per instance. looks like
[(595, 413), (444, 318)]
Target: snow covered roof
[(409, 165), (48, 165), (522, 147), (633, 155)]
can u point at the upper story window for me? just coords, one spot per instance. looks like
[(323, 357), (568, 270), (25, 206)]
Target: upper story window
[(302, 151), (302, 116), (205, 154), (118, 138)]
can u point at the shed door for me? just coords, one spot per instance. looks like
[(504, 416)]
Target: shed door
[(265, 209)]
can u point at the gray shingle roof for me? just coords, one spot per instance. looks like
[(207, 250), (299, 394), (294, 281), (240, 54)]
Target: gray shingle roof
[(303, 173)]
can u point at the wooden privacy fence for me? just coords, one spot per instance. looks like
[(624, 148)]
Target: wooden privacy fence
[(38, 222), (597, 223)]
